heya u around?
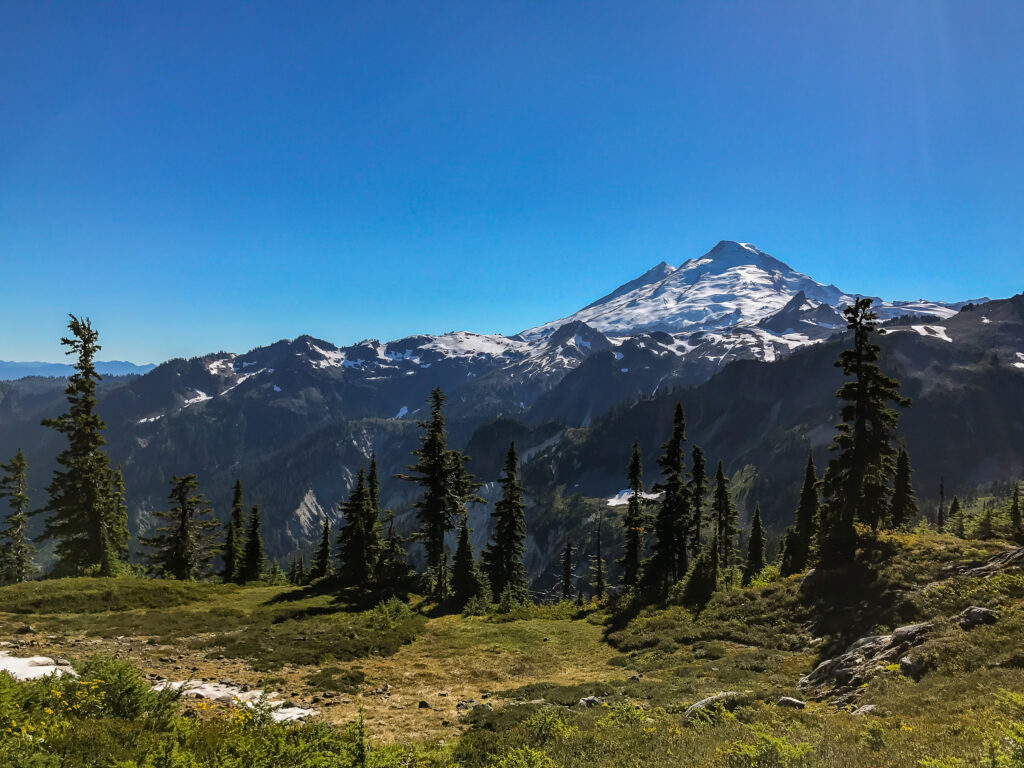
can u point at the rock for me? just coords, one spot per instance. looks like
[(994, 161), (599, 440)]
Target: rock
[(789, 701), (465, 704), (25, 629), (725, 697), (971, 617), (811, 582), (912, 668), (1012, 558), (867, 709), (634, 678), (424, 705), (590, 701)]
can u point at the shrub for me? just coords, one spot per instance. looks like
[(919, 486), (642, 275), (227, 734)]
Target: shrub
[(522, 757)]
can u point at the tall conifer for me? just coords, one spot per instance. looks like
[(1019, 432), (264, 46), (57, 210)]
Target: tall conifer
[(184, 547), (15, 549), (725, 519), (321, 565), (633, 523), (904, 502), (359, 541), (698, 487), (468, 581), (447, 488), (956, 518), (568, 568), (800, 536), (598, 580), (503, 557), (234, 539), (672, 523), (84, 518), (755, 548), (254, 556), (856, 481)]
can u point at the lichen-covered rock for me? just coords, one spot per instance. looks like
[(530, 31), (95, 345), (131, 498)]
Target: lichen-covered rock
[(971, 617), (789, 701), (723, 698)]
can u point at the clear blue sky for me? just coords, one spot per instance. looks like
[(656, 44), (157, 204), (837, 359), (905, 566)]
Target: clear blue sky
[(204, 176)]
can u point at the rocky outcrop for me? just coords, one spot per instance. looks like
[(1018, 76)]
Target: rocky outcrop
[(1011, 558), (724, 698), (971, 617), (841, 676)]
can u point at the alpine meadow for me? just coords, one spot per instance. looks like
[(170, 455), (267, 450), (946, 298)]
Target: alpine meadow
[(727, 515)]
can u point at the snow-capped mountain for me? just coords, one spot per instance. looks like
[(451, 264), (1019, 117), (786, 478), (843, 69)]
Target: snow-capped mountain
[(732, 285)]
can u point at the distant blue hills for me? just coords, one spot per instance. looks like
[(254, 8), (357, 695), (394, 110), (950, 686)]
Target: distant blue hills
[(12, 370)]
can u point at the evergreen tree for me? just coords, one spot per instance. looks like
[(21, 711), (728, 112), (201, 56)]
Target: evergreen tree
[(234, 540), (698, 487), (503, 557), (85, 518), (940, 516), (321, 565), (568, 568), (581, 598), (904, 502), (956, 518), (254, 557), (986, 528), (672, 524), (856, 481), (597, 570), (755, 548), (15, 549), (184, 547), (633, 523), (725, 519), (1016, 529), (393, 568), (359, 543), (447, 488), (468, 581), (115, 532), (297, 570), (702, 580), (799, 537), (373, 487)]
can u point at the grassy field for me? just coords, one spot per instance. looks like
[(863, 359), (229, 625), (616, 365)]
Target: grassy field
[(520, 677)]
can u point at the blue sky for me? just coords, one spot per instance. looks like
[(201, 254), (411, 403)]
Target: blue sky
[(205, 176)]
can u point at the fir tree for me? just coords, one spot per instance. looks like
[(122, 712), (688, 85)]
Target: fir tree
[(393, 568), (84, 516), (503, 557), (297, 570), (698, 487), (597, 570), (856, 481), (254, 557), (581, 598), (986, 527), (468, 581), (799, 537), (702, 580), (373, 486), (1016, 528), (184, 547), (956, 518), (15, 549), (725, 519), (755, 548), (633, 523), (115, 532), (904, 502), (672, 524), (359, 542), (234, 539), (447, 488), (940, 515), (321, 565), (568, 568)]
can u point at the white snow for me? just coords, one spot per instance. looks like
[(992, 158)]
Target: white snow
[(32, 667), (466, 344), (733, 284), (622, 498), (1020, 360), (402, 412), (230, 694), (201, 397), (332, 358), (148, 419), (222, 367), (933, 332), (985, 319)]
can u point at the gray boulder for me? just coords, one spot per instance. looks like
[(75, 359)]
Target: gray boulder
[(969, 618), (723, 698), (789, 701), (590, 701)]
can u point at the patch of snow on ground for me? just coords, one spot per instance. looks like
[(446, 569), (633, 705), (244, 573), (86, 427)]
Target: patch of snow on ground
[(148, 419), (1020, 359), (622, 498), (32, 667), (332, 358), (403, 411), (201, 397), (466, 344), (933, 331), (222, 367), (985, 319), (231, 694)]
